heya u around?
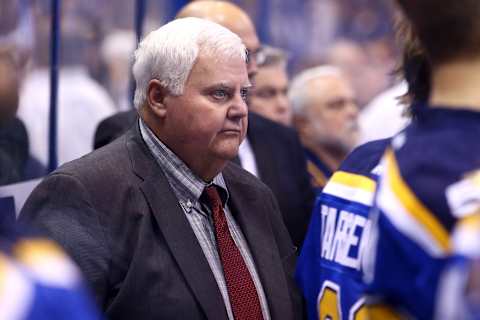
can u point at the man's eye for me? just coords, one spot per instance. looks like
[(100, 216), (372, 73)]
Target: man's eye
[(336, 104), (265, 93), (219, 94)]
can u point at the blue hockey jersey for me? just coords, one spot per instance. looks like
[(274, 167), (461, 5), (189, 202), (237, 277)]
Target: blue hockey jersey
[(329, 269), (426, 210), (39, 282)]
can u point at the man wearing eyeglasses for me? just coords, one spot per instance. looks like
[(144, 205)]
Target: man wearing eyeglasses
[(269, 98)]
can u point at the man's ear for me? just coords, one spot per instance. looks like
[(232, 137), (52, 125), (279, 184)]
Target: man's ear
[(156, 94)]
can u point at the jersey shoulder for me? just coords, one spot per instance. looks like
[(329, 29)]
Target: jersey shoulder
[(41, 282), (365, 158)]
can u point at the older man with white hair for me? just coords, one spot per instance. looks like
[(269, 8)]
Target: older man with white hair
[(160, 222), (271, 151), (325, 114)]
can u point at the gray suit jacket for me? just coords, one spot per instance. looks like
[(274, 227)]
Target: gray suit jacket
[(280, 159), (116, 215)]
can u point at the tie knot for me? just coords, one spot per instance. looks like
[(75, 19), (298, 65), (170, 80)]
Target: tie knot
[(212, 196)]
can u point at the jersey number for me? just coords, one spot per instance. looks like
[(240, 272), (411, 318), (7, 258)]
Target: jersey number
[(329, 307), (329, 304)]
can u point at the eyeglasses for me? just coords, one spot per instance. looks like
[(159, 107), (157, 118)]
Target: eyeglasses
[(258, 55), (269, 92)]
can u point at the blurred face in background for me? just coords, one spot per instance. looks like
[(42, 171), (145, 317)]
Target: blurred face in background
[(233, 18), (243, 27), (269, 97), (332, 113)]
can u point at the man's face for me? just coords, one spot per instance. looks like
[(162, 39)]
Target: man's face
[(333, 113), (269, 97), (208, 121)]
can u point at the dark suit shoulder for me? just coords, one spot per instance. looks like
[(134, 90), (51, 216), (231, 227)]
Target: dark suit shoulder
[(282, 166), (259, 123), (122, 119), (107, 160), (106, 174), (113, 127), (234, 172)]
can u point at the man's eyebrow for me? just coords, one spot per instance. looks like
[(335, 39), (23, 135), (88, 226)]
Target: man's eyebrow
[(223, 85), (226, 85)]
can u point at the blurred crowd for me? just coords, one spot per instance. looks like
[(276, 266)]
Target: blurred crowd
[(97, 43), (201, 155)]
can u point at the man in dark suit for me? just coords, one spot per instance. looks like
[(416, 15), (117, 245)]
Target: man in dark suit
[(271, 151), (162, 224)]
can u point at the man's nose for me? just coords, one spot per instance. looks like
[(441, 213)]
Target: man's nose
[(283, 105), (239, 108), (352, 109)]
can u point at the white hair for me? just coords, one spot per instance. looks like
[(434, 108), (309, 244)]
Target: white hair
[(169, 53), (299, 91)]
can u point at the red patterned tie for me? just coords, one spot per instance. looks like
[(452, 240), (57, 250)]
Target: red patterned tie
[(241, 289)]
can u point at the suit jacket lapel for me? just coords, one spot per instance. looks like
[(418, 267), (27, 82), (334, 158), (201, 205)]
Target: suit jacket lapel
[(176, 229), (257, 230)]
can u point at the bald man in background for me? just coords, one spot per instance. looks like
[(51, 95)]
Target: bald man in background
[(270, 151)]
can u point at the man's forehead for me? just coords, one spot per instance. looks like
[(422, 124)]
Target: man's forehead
[(245, 29), (212, 60), (274, 70), (228, 15), (250, 40), (230, 84), (322, 89), (327, 83), (217, 70)]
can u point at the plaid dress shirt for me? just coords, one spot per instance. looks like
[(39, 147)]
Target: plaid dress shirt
[(188, 189)]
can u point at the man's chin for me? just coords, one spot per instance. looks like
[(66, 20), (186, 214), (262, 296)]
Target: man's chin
[(229, 154)]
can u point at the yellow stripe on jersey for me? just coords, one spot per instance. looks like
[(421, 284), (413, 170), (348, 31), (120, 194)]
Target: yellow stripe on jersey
[(33, 251), (46, 260), (319, 180), (354, 181), (351, 187), (413, 205), (381, 312)]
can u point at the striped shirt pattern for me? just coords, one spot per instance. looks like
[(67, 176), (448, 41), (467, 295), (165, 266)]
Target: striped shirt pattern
[(188, 189)]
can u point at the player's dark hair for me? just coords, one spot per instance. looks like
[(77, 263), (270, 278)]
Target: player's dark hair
[(447, 29), (414, 66)]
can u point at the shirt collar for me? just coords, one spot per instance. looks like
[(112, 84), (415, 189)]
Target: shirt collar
[(187, 186)]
